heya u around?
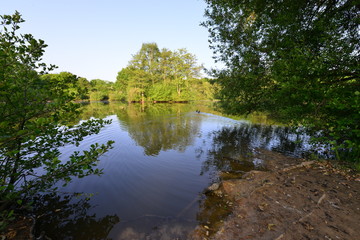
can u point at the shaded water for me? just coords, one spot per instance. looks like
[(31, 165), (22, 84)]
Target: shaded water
[(164, 156)]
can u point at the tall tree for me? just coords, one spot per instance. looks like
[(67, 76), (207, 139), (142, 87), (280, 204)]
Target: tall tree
[(122, 78), (147, 59), (165, 64), (35, 120), (298, 60), (159, 75), (185, 69)]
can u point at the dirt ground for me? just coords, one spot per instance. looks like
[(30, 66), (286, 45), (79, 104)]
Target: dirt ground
[(295, 199)]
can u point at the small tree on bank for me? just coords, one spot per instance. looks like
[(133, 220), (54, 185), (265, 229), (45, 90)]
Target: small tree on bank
[(35, 120)]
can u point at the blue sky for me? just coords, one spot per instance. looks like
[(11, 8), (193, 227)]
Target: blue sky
[(97, 38)]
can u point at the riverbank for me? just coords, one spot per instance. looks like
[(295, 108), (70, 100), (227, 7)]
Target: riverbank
[(294, 199)]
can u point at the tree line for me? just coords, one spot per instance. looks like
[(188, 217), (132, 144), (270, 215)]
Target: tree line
[(163, 75), (151, 75)]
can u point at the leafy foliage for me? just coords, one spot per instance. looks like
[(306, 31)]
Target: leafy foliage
[(151, 75), (296, 60), (100, 90), (78, 89), (161, 75), (36, 111)]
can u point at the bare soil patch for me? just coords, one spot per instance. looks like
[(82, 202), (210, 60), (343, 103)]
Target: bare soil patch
[(295, 199)]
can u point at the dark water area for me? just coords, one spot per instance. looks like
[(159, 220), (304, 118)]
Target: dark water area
[(164, 157)]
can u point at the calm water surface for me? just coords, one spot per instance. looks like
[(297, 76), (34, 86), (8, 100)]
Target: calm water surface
[(164, 156)]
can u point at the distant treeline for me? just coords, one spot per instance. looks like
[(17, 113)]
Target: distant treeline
[(151, 75)]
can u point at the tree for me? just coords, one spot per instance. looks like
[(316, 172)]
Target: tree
[(165, 65), (100, 89), (121, 84), (159, 75), (296, 60), (84, 86), (147, 60), (36, 112), (184, 69), (122, 79), (80, 88)]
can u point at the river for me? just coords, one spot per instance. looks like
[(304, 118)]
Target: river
[(164, 157)]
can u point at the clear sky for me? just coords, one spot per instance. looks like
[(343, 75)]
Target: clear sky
[(97, 38)]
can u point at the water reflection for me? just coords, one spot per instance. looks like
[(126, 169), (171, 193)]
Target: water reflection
[(160, 127), (153, 228), (234, 152), (234, 147), (155, 127), (67, 217), (164, 156)]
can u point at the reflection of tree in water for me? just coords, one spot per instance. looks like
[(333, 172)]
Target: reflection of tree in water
[(63, 217), (160, 127), (155, 127), (232, 154), (101, 109), (233, 147)]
